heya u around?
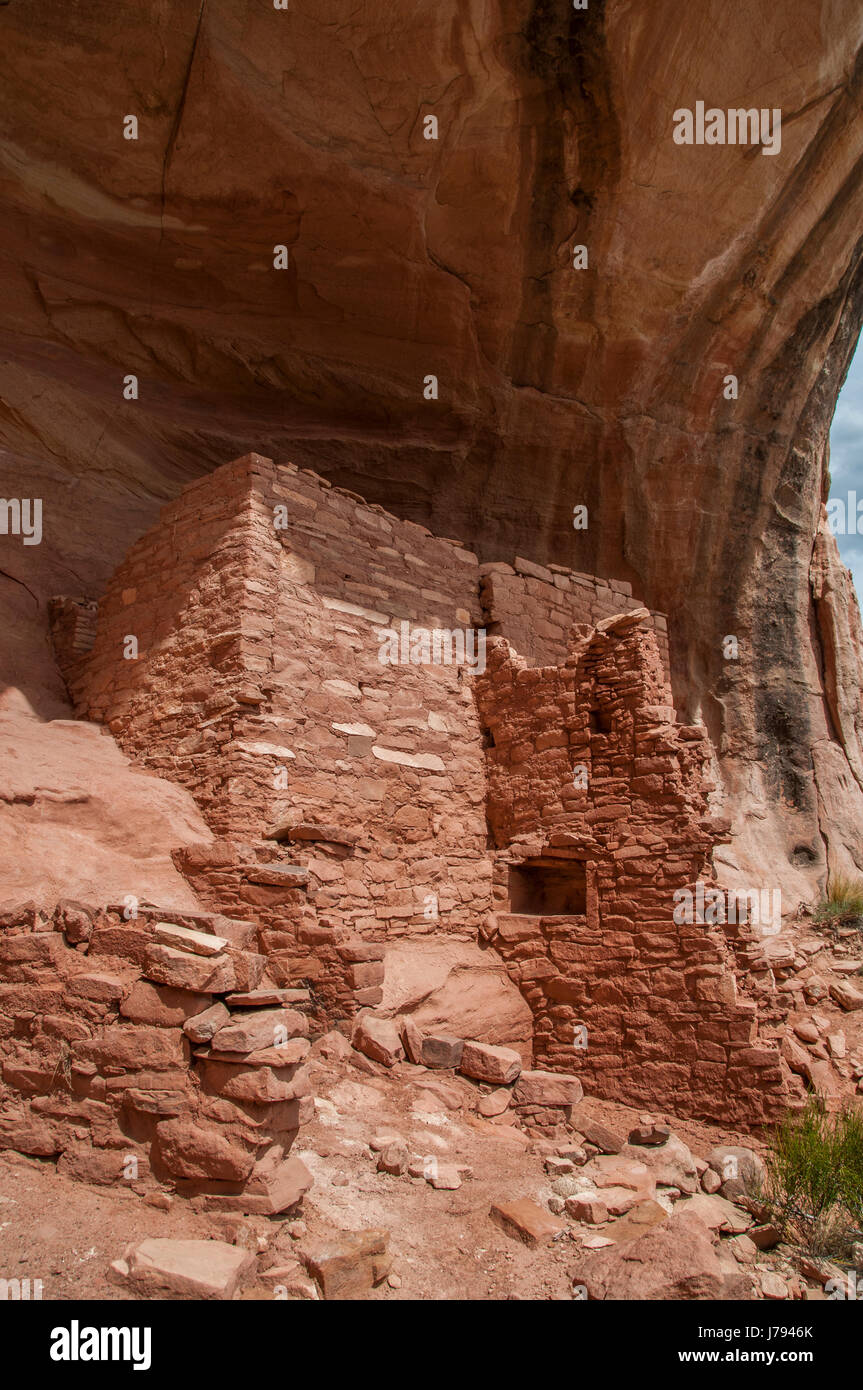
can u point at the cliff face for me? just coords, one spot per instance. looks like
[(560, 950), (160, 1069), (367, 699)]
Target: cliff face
[(409, 257)]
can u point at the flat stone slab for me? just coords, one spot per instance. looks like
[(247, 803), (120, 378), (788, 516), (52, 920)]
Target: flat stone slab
[(642, 1217), (298, 831), (547, 1088), (716, 1212), (187, 939), (291, 1052), (185, 1268), (846, 996), (201, 1027), (277, 875), (599, 1135), (259, 1029), (527, 1222), (186, 970), (483, 1062), (260, 998)]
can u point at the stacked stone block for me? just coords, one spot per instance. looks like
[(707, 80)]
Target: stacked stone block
[(259, 685), (144, 1051), (353, 798), (588, 769), (536, 606)]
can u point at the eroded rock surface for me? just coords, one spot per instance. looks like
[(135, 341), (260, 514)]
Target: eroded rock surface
[(407, 257)]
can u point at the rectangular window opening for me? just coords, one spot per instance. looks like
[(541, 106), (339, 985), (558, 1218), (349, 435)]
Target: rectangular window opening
[(548, 888)]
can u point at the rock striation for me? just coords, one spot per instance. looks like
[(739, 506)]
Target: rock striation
[(565, 379)]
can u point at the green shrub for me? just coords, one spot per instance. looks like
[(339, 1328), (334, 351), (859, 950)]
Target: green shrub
[(815, 1177), (843, 901)]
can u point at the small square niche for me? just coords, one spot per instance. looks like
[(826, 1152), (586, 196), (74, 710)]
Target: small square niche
[(548, 888)]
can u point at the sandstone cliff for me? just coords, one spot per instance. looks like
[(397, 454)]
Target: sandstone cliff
[(453, 257)]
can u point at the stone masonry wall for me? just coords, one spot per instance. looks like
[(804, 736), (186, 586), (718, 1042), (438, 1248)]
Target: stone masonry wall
[(535, 606), (353, 798), (258, 684), (590, 777), (143, 1051)]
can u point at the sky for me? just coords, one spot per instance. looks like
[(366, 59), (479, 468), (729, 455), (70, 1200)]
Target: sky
[(846, 463)]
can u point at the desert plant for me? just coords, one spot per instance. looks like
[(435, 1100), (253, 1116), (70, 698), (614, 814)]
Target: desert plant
[(843, 901), (814, 1183), (63, 1070)]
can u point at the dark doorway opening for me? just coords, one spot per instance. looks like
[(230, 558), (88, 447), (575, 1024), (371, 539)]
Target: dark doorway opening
[(548, 888)]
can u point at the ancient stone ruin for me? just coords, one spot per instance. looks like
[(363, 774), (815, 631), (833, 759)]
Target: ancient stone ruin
[(541, 807), (431, 748)]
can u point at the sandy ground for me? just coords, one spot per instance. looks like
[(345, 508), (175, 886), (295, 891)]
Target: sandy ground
[(444, 1244)]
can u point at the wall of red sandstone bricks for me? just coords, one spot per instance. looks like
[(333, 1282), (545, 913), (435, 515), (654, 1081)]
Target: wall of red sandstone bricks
[(655, 1002), (258, 684), (276, 711), (131, 1060), (535, 608)]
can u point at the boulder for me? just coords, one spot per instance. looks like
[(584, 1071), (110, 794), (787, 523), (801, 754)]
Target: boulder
[(527, 1222), (599, 1135), (483, 1062), (189, 1151), (672, 1262), (644, 1216), (412, 1039), (348, 1266), (394, 1158), (671, 1164), (773, 1286), (441, 1050), (716, 1212), (649, 1135), (26, 1134), (208, 1269), (378, 1038), (495, 1103), (846, 995), (547, 1088), (739, 1169), (456, 988), (591, 1211), (276, 1185)]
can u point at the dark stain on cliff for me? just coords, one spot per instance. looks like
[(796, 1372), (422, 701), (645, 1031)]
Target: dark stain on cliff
[(782, 709), (565, 75)]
